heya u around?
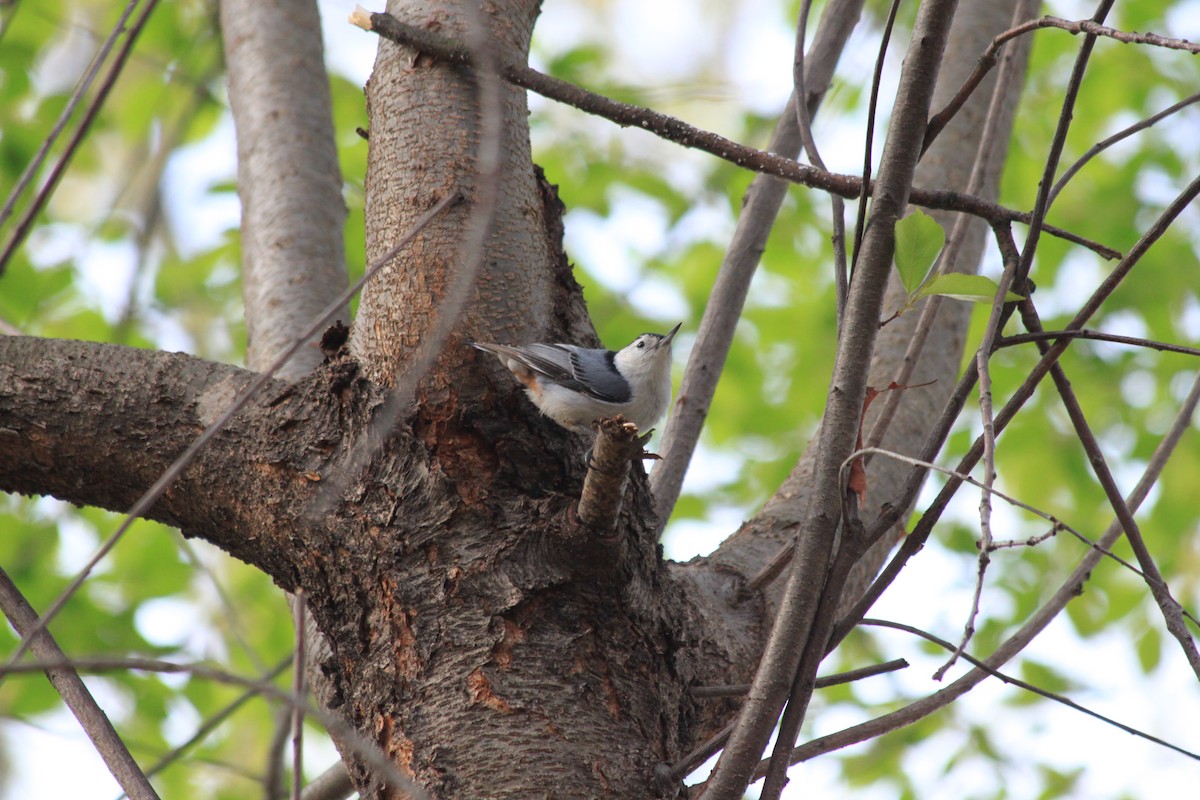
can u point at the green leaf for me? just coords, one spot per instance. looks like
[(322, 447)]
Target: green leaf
[(1149, 650), (975, 288), (919, 239)]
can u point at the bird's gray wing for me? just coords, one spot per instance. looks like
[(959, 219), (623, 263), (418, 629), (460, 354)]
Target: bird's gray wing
[(547, 359), (551, 360), (597, 376), (589, 372)]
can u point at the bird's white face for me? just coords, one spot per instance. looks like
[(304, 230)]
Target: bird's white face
[(648, 353)]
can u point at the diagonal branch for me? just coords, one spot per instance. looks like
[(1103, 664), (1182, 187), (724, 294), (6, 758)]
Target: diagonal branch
[(85, 124), (760, 207), (1072, 587), (916, 539), (836, 741), (69, 685), (1171, 610)]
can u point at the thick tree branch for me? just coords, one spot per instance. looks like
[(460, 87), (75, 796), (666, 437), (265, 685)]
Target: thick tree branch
[(96, 424), (289, 183)]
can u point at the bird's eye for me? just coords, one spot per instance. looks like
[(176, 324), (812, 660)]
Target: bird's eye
[(641, 345)]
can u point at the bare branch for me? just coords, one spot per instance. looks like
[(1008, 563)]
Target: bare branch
[(675, 130), (299, 690), (823, 682), (617, 444), (860, 219), (1099, 336), (85, 124), (916, 539), (1037, 622), (841, 276), (996, 319), (70, 687), (211, 724), (1120, 135), (1041, 204), (989, 57), (760, 207), (1171, 610), (901, 717)]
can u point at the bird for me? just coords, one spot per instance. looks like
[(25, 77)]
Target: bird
[(575, 385)]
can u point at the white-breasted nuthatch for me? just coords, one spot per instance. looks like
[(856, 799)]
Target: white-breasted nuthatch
[(575, 385)]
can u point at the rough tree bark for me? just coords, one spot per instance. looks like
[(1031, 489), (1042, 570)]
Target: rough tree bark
[(478, 635)]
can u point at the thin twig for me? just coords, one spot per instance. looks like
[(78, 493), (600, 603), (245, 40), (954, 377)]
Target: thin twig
[(823, 682), (982, 361), (704, 751), (1120, 135), (988, 59), (152, 495), (1056, 524), (841, 275), (85, 124), (299, 609), (675, 130), (1041, 205), (337, 727), (211, 724), (860, 220), (1099, 336), (85, 82), (1172, 612), (231, 613)]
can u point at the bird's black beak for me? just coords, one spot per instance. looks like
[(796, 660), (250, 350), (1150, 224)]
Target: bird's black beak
[(666, 340)]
